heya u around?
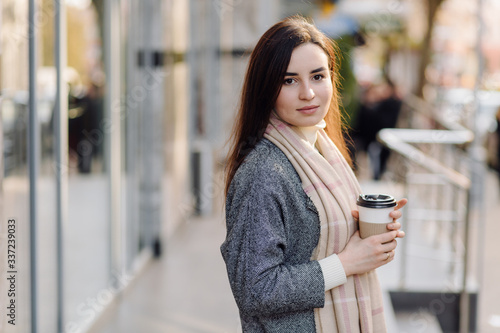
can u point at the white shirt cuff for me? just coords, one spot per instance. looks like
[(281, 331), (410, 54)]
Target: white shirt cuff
[(333, 272)]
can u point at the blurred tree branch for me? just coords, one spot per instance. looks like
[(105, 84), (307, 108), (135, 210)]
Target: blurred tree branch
[(99, 6), (426, 52)]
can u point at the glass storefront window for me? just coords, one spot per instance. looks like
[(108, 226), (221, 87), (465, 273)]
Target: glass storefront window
[(105, 233)]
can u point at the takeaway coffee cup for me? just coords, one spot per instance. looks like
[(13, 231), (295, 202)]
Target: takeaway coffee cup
[(374, 212)]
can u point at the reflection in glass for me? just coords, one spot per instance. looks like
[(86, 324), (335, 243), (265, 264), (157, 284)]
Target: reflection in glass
[(86, 238)]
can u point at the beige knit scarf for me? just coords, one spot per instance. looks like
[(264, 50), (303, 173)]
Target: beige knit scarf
[(328, 180)]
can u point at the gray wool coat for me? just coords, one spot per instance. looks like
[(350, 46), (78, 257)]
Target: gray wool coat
[(272, 230)]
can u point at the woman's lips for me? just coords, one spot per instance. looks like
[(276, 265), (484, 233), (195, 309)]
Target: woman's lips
[(308, 109)]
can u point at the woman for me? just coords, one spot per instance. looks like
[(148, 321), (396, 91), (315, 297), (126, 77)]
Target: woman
[(293, 254)]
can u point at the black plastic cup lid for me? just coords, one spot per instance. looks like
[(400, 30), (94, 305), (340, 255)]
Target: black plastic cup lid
[(376, 201)]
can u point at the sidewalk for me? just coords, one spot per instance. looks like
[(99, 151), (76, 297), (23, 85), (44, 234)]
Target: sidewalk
[(187, 290)]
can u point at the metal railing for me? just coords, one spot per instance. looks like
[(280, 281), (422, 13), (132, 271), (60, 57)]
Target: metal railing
[(432, 158)]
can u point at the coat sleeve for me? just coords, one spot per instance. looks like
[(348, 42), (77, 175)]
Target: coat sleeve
[(262, 280)]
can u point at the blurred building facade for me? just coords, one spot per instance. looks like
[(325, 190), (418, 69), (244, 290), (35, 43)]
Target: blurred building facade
[(131, 105)]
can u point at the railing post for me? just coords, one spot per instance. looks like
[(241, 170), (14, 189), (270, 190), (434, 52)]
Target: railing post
[(404, 222), (464, 296), (33, 157), (61, 151)]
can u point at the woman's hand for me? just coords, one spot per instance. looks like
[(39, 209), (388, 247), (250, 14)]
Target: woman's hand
[(363, 255)]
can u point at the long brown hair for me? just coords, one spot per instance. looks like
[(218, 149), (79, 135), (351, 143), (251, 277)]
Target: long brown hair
[(264, 77)]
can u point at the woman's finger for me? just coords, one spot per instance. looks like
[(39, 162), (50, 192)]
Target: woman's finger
[(401, 203), (396, 214), (388, 256), (386, 237), (394, 226)]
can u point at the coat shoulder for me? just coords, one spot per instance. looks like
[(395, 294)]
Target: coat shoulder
[(265, 166)]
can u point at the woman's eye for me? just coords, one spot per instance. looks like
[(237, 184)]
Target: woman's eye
[(289, 81), (318, 77)]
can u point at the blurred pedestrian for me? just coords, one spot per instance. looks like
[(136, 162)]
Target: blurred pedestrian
[(91, 136), (387, 113), (293, 254), (379, 109), (365, 131)]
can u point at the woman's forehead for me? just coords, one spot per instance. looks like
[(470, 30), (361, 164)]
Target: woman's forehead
[(307, 56)]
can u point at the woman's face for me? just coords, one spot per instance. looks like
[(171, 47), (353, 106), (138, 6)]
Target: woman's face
[(307, 88)]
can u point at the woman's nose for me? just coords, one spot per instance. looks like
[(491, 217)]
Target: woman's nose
[(306, 92)]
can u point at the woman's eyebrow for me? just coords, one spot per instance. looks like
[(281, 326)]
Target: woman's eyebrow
[(317, 70)]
